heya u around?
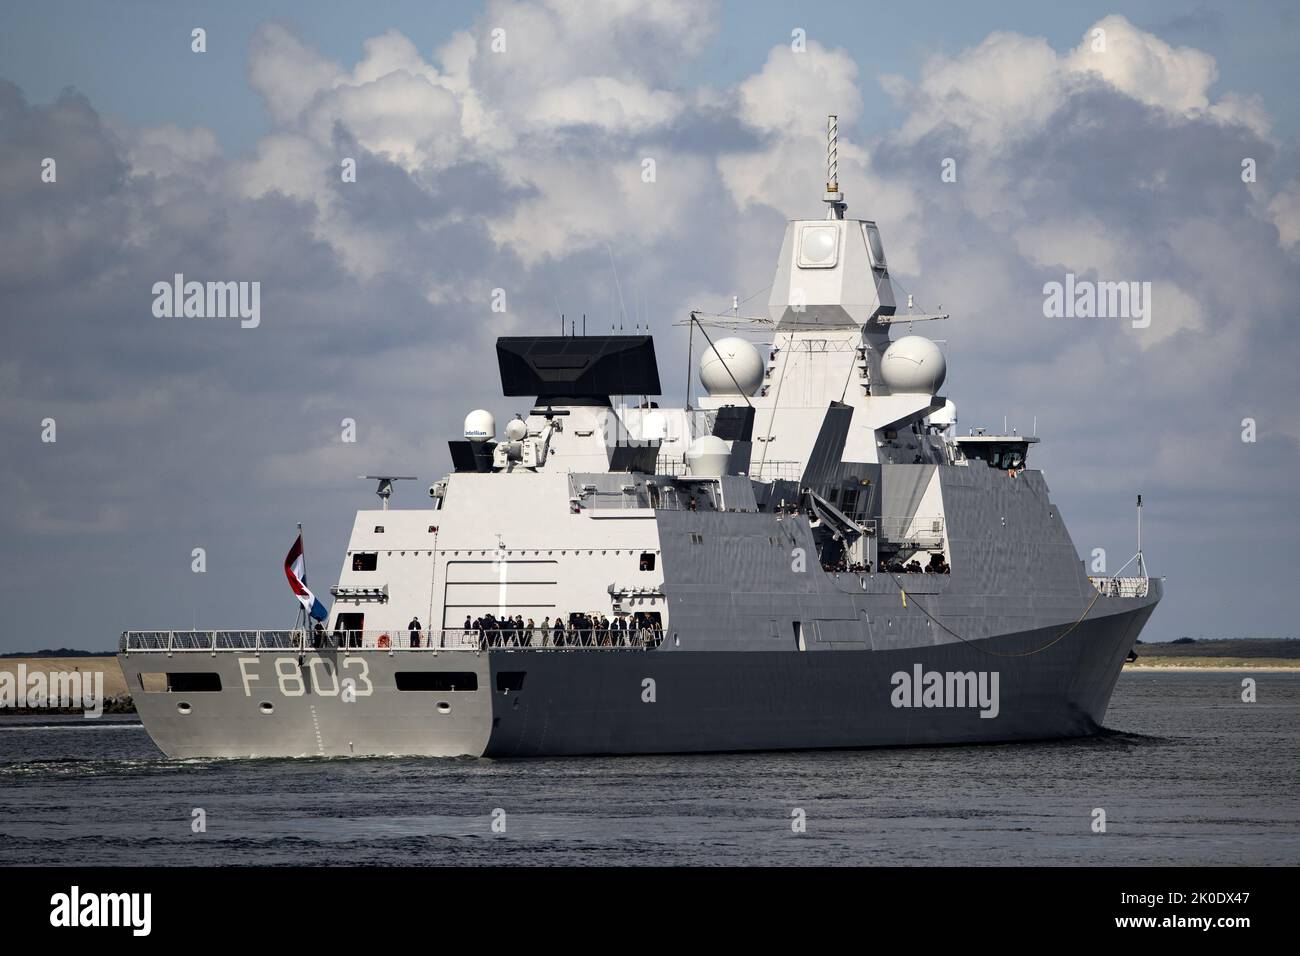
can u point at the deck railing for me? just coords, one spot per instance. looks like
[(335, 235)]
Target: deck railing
[(1122, 587), (675, 465), (920, 531), (452, 639)]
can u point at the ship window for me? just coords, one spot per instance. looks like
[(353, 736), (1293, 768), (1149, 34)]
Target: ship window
[(647, 561), (697, 538), (874, 245), (818, 246), (510, 680), (365, 561), (436, 680), (379, 529), (194, 683), (181, 683)]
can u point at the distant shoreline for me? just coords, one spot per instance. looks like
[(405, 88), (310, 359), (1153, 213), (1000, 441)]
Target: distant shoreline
[(117, 696), (1263, 665)]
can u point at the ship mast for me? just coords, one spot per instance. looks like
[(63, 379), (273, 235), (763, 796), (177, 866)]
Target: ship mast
[(833, 198)]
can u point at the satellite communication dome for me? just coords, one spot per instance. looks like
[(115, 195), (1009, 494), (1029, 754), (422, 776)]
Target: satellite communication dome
[(480, 425), (654, 426), (945, 417), (516, 429), (913, 364), (708, 456), (734, 356)]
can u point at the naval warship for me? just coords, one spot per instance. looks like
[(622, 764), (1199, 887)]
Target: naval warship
[(810, 555)]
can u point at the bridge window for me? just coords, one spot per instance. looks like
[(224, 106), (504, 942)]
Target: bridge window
[(874, 245), (647, 561), (365, 561)]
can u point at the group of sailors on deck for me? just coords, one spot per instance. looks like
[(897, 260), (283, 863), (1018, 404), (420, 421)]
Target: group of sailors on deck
[(937, 565), (582, 630)]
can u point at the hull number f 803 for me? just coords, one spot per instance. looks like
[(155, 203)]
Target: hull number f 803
[(324, 680)]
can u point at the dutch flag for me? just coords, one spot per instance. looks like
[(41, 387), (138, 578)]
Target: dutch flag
[(295, 569)]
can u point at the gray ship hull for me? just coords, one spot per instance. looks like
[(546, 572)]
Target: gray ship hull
[(775, 700), (534, 702)]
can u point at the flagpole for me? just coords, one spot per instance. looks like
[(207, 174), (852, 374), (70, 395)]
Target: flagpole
[(299, 621)]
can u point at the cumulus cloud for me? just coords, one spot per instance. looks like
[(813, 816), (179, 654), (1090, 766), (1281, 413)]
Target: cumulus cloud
[(1011, 84), (1284, 211), (524, 170)]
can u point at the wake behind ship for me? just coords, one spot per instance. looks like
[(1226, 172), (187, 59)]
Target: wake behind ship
[(811, 557)]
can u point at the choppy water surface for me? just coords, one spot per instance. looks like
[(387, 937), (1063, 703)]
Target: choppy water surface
[(1188, 775)]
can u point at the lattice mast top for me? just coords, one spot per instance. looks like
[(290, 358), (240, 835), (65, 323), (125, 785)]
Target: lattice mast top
[(833, 198)]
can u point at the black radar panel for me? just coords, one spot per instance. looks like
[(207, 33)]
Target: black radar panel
[(578, 366)]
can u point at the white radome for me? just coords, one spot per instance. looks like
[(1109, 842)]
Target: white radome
[(654, 426), (707, 457), (914, 364), (516, 429), (736, 356), (945, 417), (480, 425)]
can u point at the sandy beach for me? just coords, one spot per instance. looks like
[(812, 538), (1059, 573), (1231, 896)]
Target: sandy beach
[(114, 682), (1265, 666)]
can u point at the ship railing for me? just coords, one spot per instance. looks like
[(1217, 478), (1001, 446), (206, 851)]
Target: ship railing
[(917, 531), (212, 641), (535, 638), (774, 470), (394, 639), (675, 465), (1122, 587), (573, 639)]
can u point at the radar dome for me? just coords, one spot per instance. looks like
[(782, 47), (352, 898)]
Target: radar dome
[(728, 359), (913, 364), (945, 417), (480, 425), (516, 429), (707, 456), (654, 426)]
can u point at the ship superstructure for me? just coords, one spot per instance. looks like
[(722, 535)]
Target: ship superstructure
[(811, 555)]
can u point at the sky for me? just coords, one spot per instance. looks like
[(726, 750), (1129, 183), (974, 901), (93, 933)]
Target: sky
[(1164, 155)]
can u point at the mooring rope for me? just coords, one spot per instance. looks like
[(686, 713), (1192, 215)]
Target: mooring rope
[(1038, 650)]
